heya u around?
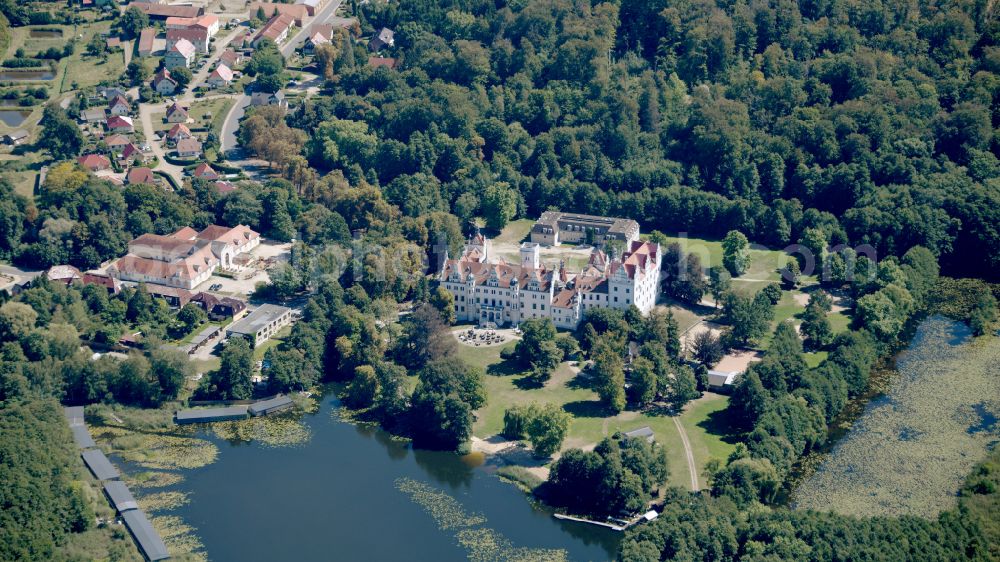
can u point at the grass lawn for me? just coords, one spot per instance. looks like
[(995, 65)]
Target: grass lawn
[(708, 429), (515, 232), (839, 321), (590, 422), (813, 359), (764, 264), (209, 114)]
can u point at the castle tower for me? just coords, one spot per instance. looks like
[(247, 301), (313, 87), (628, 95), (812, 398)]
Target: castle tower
[(529, 255)]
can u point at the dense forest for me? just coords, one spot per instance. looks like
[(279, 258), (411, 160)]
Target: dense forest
[(873, 121)]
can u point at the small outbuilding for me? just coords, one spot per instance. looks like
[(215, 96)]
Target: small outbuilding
[(644, 432), (208, 415), (270, 406), (99, 465), (120, 497)]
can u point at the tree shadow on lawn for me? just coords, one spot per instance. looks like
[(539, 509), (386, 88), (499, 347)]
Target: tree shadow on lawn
[(504, 369), (718, 423), (530, 381), (586, 409)]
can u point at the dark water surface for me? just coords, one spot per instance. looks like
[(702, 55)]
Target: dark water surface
[(13, 117), (334, 498)]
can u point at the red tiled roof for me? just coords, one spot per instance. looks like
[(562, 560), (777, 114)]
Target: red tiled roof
[(94, 162), (140, 175)]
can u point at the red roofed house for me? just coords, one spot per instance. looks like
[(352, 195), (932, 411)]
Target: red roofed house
[(141, 175), (174, 22), (110, 283), (195, 35), (208, 22), (377, 62), (120, 124), (164, 11), (176, 114), (163, 83), (221, 77), (179, 132), (132, 153), (231, 58), (119, 105), (116, 142), (224, 187), (188, 148), (94, 162), (205, 172), (276, 29)]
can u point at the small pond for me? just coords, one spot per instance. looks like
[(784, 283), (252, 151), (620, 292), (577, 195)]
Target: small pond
[(13, 117), (45, 33), (11, 75)]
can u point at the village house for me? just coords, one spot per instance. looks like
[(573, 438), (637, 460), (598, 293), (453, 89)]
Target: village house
[(221, 77), (64, 274), (189, 148), (494, 292), (147, 39), (194, 35), (120, 124), (205, 172), (382, 62), (179, 132), (177, 114), (267, 98), (119, 105), (276, 29), (132, 153), (163, 83), (314, 40), (208, 22), (231, 58), (94, 162), (116, 143), (383, 39), (219, 308), (224, 187), (140, 175), (174, 22), (180, 54)]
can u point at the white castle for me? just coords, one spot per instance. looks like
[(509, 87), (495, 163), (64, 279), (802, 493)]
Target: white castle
[(495, 292)]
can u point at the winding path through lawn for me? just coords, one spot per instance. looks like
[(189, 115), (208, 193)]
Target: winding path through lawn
[(692, 468)]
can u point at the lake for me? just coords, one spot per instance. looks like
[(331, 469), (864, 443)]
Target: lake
[(911, 449), (353, 492), (14, 117)]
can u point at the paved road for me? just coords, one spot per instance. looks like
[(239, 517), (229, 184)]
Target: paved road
[(692, 468), (232, 123)]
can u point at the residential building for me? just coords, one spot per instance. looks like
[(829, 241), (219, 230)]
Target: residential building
[(205, 172), (231, 58), (555, 227), (276, 29), (177, 114), (224, 187), (132, 153), (221, 77), (110, 283), (382, 62), (119, 105), (194, 35), (208, 22), (174, 22), (179, 132), (163, 83), (120, 124), (15, 138), (267, 98), (163, 11), (116, 142), (488, 291), (147, 40), (385, 38), (175, 297), (140, 175), (94, 162), (313, 41), (219, 308), (181, 53), (296, 12), (189, 148), (261, 324), (227, 243), (65, 274)]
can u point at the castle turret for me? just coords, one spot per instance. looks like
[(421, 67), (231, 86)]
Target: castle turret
[(529, 255)]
